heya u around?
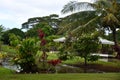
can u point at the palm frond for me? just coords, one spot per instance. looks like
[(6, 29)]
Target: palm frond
[(77, 19), (110, 20), (74, 6), (88, 27)]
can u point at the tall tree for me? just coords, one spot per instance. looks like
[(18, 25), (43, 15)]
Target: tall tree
[(52, 20), (107, 15), (33, 32)]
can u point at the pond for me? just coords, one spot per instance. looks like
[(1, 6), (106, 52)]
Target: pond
[(6, 63)]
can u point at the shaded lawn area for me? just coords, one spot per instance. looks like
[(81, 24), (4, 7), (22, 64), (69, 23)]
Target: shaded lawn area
[(80, 76), (77, 60), (113, 66)]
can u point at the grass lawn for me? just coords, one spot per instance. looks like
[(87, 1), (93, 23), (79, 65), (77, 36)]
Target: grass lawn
[(4, 71), (6, 74), (80, 76), (76, 59)]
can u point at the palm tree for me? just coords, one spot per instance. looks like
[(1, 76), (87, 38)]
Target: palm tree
[(106, 16), (105, 12)]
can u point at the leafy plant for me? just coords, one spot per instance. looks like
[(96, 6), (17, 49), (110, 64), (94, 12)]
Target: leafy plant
[(25, 58), (93, 58), (86, 45), (43, 42), (14, 40), (54, 63)]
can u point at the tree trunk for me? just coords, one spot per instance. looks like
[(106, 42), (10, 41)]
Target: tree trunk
[(117, 47), (44, 58), (85, 64), (114, 36), (85, 61)]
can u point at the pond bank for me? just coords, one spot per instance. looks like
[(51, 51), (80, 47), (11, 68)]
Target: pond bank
[(97, 68)]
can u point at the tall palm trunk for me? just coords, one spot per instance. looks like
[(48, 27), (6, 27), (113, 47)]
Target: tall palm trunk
[(114, 36), (117, 47)]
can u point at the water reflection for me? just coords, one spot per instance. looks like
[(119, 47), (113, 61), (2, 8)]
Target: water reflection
[(8, 65)]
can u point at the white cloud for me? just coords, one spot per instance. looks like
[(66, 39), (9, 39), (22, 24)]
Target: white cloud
[(18, 11)]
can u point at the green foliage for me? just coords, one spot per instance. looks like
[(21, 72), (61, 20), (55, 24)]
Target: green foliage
[(79, 23), (52, 20), (86, 45), (9, 50), (3, 55), (33, 32), (63, 56), (1, 31), (28, 46), (14, 40), (5, 37), (1, 43), (27, 51), (15, 31), (110, 35), (51, 45), (106, 16), (93, 58)]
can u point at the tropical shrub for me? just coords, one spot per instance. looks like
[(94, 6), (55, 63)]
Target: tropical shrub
[(54, 63), (25, 57), (14, 40)]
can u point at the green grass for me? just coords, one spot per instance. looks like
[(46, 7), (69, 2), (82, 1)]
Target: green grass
[(81, 76), (75, 59), (5, 71), (52, 56), (78, 60), (112, 64)]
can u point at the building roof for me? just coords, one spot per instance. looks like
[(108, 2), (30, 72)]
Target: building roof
[(102, 41), (105, 41)]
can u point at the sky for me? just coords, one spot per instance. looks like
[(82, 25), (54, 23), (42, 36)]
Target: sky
[(15, 12)]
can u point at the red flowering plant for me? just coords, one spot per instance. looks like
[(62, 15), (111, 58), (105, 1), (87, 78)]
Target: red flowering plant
[(41, 34), (54, 63), (42, 44)]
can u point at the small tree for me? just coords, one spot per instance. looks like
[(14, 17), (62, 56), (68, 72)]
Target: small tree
[(86, 45)]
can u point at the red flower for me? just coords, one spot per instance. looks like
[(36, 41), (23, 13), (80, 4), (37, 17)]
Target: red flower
[(41, 34), (43, 42), (54, 62)]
